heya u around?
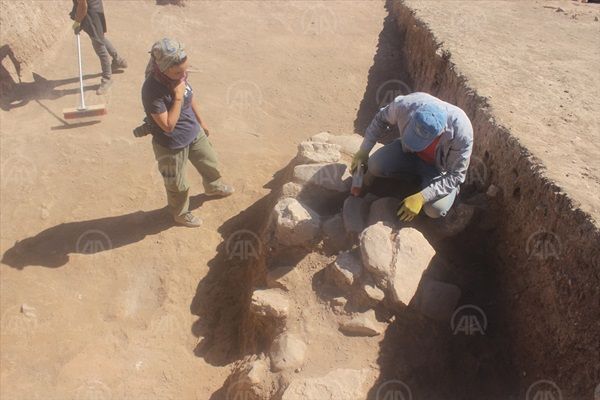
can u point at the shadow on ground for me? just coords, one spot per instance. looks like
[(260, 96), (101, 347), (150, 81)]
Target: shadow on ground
[(386, 77), (51, 247), (41, 88), (223, 295)]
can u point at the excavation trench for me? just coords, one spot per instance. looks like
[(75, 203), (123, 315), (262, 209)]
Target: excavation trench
[(526, 264)]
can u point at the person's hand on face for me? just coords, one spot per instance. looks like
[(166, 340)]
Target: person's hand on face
[(177, 73), (179, 90)]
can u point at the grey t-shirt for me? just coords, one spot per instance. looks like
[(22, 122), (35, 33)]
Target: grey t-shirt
[(157, 98)]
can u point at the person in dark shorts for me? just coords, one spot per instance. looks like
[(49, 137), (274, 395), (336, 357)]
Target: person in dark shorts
[(179, 134), (89, 17)]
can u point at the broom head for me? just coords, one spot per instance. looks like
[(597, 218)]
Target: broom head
[(90, 111)]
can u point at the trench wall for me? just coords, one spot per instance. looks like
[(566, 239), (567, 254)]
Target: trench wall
[(544, 251), (30, 27)]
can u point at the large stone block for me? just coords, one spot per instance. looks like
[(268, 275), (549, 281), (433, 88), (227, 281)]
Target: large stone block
[(321, 137), (364, 324), (377, 252), (316, 152), (271, 303), (349, 143), (355, 212), (287, 352), (384, 210), (346, 269), (412, 255), (329, 176), (295, 223), (339, 384)]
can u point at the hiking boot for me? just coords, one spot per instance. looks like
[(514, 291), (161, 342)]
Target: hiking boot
[(222, 190), (105, 85), (118, 63), (188, 219)]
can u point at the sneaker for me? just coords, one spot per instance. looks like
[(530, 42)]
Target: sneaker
[(118, 63), (223, 190), (188, 219), (105, 85)]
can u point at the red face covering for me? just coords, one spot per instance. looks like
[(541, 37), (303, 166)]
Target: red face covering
[(164, 79), (428, 154)]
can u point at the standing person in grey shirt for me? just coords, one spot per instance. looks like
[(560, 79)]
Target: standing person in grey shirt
[(89, 17), (435, 144)]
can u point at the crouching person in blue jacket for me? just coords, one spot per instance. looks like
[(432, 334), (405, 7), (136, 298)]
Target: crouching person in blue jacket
[(435, 144)]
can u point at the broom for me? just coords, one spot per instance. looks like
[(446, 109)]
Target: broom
[(83, 111)]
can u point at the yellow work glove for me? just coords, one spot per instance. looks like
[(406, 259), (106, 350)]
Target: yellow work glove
[(360, 157), (76, 27), (410, 207)]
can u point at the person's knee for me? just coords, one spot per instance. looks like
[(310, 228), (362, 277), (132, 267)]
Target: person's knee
[(433, 210), (375, 167), (173, 181), (176, 188)]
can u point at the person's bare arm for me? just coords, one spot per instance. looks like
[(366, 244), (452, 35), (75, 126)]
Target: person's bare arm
[(196, 109), (82, 9), (168, 119)]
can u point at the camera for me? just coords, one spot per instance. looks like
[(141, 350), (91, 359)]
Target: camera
[(144, 129)]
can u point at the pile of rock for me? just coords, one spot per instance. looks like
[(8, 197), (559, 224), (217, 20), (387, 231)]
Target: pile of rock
[(377, 263)]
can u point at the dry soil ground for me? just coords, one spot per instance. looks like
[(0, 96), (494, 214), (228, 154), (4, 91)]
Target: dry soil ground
[(97, 296), (267, 75), (538, 63)]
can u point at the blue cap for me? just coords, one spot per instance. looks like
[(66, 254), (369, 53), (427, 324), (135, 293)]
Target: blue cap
[(426, 124)]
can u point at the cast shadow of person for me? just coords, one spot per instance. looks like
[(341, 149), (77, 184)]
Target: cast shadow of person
[(18, 94), (52, 247)]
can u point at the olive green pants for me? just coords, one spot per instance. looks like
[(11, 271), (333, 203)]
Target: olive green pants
[(171, 165)]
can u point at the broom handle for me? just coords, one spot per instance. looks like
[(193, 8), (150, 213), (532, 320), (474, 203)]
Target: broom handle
[(80, 72)]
